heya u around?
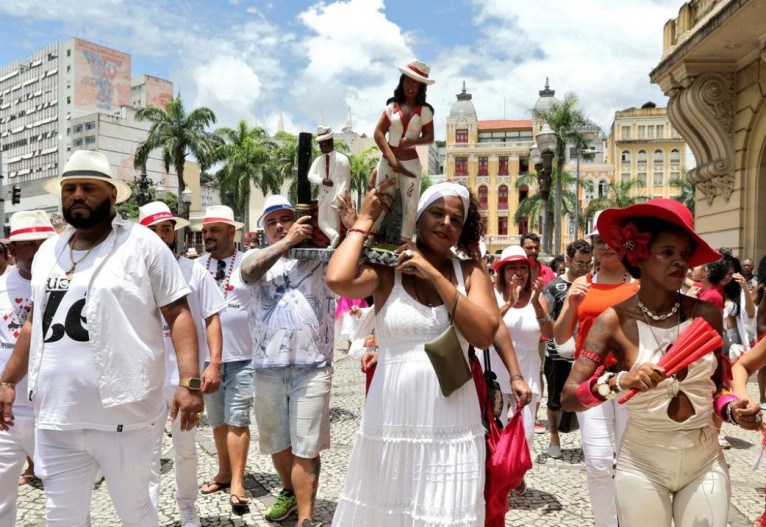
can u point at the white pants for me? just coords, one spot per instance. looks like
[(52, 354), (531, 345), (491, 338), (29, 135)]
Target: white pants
[(66, 460), (409, 192), (185, 461), (672, 478), (15, 445), (601, 431)]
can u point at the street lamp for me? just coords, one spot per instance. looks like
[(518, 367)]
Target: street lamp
[(185, 200), (580, 151), (143, 197), (546, 145)]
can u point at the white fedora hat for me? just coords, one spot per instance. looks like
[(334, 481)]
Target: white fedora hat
[(87, 164), (274, 203), (324, 133), (221, 214), (29, 225), (157, 212), (417, 70)]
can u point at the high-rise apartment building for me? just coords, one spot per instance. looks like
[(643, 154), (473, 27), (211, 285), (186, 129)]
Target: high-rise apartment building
[(72, 95)]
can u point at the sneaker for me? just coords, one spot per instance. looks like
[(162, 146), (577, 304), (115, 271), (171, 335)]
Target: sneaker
[(554, 451), (307, 523), (539, 427), (723, 442), (285, 505), (188, 515)]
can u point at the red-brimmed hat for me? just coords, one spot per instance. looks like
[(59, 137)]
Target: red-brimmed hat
[(514, 253), (611, 221)]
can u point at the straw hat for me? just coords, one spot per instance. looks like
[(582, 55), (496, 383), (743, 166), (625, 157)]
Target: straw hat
[(221, 214), (87, 164), (324, 133), (157, 212), (29, 225), (417, 70)]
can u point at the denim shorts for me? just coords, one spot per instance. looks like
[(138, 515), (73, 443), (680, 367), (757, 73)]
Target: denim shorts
[(292, 409), (231, 403)]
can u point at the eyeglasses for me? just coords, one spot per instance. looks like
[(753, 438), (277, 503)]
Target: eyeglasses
[(220, 271), (581, 263)]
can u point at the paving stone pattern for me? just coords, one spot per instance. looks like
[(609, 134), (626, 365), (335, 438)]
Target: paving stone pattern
[(557, 494)]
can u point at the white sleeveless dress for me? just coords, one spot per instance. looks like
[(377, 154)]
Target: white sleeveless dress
[(419, 457)]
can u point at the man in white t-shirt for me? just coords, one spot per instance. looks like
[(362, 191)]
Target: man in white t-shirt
[(291, 318), (94, 350), (228, 410), (28, 231), (205, 302)]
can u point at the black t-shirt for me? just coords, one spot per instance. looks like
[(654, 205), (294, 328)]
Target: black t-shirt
[(555, 293)]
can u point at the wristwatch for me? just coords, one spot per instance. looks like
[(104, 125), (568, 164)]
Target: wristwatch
[(192, 383), (602, 385)]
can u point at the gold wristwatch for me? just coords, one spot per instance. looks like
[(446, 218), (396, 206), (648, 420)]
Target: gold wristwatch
[(192, 383)]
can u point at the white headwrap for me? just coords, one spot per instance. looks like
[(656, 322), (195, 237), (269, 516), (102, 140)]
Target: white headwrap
[(442, 190)]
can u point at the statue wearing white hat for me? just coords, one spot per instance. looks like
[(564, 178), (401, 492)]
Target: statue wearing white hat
[(331, 173)]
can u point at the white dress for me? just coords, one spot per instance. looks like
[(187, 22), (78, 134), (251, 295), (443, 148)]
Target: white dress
[(418, 459)]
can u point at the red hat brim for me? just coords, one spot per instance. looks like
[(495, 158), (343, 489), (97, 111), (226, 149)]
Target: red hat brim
[(668, 210)]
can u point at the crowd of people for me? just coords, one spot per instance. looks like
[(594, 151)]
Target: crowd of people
[(108, 333)]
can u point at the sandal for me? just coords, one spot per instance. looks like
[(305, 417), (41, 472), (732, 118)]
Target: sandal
[(521, 488), (239, 504), (213, 486)]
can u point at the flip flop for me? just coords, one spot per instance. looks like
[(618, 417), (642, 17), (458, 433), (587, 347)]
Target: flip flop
[(239, 504), (213, 486)]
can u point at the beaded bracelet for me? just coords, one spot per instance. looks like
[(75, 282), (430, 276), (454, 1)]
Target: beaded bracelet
[(588, 354), (730, 414), (8, 384), (618, 381), (543, 319), (517, 377)]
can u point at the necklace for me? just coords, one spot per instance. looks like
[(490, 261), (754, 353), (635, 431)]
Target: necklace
[(69, 274), (223, 284), (595, 280), (674, 386), (654, 317)]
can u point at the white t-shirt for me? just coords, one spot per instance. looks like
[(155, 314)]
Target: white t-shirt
[(15, 305), (236, 334), (292, 316), (67, 396), (205, 301)]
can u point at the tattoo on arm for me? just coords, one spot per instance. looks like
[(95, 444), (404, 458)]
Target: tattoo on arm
[(255, 264)]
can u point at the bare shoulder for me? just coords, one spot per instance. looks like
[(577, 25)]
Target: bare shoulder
[(580, 280), (693, 307)]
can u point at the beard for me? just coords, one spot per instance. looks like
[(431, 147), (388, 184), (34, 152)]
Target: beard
[(97, 215), (172, 246)]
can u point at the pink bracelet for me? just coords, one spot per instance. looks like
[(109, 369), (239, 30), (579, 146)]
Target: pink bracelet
[(585, 394), (720, 402)]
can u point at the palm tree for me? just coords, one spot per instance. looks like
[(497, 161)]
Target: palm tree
[(687, 191), (246, 154), (178, 134), (622, 194), (531, 207), (568, 122), (362, 165)]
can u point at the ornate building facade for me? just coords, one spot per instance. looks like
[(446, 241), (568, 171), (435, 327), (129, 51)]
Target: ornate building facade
[(713, 69)]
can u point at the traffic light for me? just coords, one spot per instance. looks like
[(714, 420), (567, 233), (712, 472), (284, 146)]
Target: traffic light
[(16, 195)]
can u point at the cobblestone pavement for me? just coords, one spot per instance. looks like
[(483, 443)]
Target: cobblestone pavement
[(557, 494)]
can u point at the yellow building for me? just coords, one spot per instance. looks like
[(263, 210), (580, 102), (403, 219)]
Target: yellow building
[(713, 69), (643, 145), (488, 156)]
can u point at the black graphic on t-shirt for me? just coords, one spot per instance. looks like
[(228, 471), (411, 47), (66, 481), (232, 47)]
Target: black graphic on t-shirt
[(74, 321)]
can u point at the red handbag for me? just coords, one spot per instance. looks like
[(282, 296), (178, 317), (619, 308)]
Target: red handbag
[(508, 459)]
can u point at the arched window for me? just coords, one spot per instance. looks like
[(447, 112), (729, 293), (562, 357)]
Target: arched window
[(603, 188), (502, 197), (625, 157), (641, 157), (675, 156), (589, 189), (483, 196), (659, 157)]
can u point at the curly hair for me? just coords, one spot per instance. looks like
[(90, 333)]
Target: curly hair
[(579, 245), (473, 229), (420, 98), (717, 271)]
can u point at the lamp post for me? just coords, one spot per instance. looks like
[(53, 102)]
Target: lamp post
[(537, 162), (546, 144), (143, 197), (580, 151), (184, 200)]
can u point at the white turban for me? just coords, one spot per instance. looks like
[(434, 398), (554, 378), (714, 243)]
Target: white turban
[(442, 190)]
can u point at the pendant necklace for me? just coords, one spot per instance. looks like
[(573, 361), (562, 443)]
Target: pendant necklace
[(224, 284), (673, 386), (69, 274)]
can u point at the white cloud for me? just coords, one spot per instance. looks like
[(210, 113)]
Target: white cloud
[(228, 81)]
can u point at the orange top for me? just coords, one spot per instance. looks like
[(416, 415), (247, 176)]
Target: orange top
[(599, 298)]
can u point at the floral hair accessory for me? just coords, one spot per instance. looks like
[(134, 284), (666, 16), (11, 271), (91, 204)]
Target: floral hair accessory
[(631, 244)]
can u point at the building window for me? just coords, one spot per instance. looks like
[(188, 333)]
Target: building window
[(461, 166), (660, 131), (461, 136), (658, 179), (650, 132), (641, 157), (641, 131), (523, 165), (90, 125), (625, 134), (675, 175), (68, 99), (675, 156), (625, 157), (659, 157), (90, 139), (502, 226), (603, 188), (483, 166), (503, 167), (77, 129), (523, 225), (69, 53), (77, 142), (641, 177), (68, 130), (502, 197), (625, 178), (483, 197), (68, 68)]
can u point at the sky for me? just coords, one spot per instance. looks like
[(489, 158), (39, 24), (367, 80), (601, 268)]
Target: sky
[(308, 60)]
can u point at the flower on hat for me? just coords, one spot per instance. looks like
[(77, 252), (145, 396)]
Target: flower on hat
[(631, 244)]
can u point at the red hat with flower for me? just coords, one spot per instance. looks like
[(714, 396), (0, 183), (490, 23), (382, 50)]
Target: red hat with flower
[(617, 230)]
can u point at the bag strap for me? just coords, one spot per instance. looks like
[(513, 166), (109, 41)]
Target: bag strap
[(486, 361), (454, 306)]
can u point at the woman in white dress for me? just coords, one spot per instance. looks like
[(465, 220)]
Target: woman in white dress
[(419, 457)]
